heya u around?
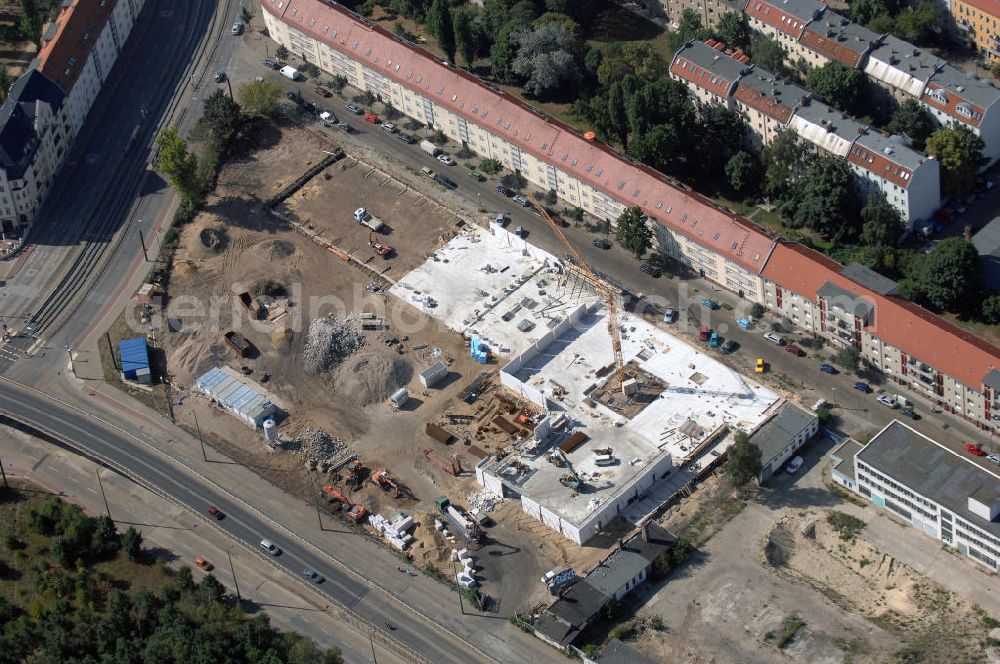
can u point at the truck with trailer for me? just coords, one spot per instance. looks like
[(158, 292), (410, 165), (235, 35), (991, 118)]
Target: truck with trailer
[(430, 148), (466, 525), (365, 218)]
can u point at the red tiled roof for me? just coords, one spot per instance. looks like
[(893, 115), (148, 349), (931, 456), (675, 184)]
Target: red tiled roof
[(593, 163), (773, 16), (876, 163), (910, 328), (831, 49), (695, 73), (953, 101), (991, 7), (78, 26), (769, 106)]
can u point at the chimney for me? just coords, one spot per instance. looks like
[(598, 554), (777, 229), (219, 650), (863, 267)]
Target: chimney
[(645, 532)]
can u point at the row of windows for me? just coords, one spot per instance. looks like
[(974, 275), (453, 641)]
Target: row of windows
[(976, 537), (874, 478)]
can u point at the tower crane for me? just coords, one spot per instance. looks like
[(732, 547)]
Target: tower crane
[(602, 287)]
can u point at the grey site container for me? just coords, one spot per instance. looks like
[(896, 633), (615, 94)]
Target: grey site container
[(400, 397), (431, 377)]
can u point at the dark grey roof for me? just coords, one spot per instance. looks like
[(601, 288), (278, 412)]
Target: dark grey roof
[(843, 32), (992, 379), (555, 629), (845, 299), (578, 604), (806, 10), (617, 652), (968, 86), (844, 456), (774, 435), (931, 470), (713, 61), (869, 278), (18, 140), (987, 243)]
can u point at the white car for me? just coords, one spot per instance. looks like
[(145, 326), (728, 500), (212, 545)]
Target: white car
[(445, 159), (270, 547), (389, 127), (887, 401), (774, 339), (236, 29), (794, 465)]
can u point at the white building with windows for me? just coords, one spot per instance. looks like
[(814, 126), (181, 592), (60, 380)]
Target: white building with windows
[(950, 497)]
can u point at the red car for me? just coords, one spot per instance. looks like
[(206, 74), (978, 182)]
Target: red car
[(371, 117), (323, 92), (216, 512), (974, 449), (794, 350)]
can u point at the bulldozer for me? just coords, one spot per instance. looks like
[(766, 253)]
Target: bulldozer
[(384, 481), (356, 512)]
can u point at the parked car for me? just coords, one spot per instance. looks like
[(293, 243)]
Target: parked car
[(828, 368), (201, 563), (759, 367), (445, 181), (774, 339), (522, 201), (519, 232), (216, 513), (312, 576), (863, 387), (371, 117), (406, 138), (743, 323), (270, 547), (714, 340), (309, 106), (993, 458), (909, 412), (353, 109), (500, 220), (650, 269), (504, 191), (322, 92), (389, 127), (669, 316), (294, 96), (445, 159), (710, 304), (477, 176), (703, 333), (601, 243), (794, 465), (729, 347), (974, 449), (794, 350), (346, 127), (220, 76), (887, 401), (237, 29), (271, 64)]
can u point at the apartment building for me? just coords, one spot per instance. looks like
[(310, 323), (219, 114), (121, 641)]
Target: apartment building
[(710, 11), (951, 498), (980, 20), (909, 180), (910, 345), (786, 21), (48, 104)]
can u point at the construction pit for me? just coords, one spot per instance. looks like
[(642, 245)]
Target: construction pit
[(593, 457)]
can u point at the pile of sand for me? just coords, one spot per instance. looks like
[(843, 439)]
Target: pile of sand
[(281, 339), (274, 250), (205, 237), (371, 376)]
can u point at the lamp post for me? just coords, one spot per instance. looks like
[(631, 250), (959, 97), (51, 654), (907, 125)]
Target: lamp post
[(232, 569)]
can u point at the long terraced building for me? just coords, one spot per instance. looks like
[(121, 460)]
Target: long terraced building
[(845, 305)]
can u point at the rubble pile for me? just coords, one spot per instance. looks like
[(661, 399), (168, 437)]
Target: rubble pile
[(321, 450), (329, 342), (484, 501)]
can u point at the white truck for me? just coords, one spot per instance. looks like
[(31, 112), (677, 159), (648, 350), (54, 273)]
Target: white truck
[(430, 148), (290, 72), (365, 218)]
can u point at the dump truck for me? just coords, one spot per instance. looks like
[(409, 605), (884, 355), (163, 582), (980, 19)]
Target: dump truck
[(238, 342), (365, 218), (430, 148), (466, 525)]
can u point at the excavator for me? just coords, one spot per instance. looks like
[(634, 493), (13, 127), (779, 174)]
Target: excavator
[(384, 481), (381, 249), (354, 474), (356, 512)]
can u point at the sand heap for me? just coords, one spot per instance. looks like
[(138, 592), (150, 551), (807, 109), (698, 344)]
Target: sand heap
[(329, 342), (371, 376), (273, 250)]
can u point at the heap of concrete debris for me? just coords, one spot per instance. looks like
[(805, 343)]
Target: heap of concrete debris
[(329, 342), (484, 501), (321, 450)]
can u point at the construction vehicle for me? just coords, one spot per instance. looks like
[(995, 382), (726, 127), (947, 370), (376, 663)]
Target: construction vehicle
[(570, 479), (356, 512), (603, 288), (466, 525), (354, 474), (366, 218), (381, 249), (384, 481)]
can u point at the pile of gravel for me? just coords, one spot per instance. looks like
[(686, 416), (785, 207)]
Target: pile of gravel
[(372, 376), (317, 446), (329, 342)]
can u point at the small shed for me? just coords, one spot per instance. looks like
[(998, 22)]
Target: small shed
[(431, 377), (135, 360)]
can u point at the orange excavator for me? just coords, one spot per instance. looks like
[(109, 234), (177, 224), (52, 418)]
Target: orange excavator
[(356, 512), (382, 479), (381, 249)]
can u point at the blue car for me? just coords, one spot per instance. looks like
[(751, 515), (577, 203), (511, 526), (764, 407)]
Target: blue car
[(711, 304), (743, 323), (863, 387), (827, 368)]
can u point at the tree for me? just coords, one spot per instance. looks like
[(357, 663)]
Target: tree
[(439, 24), (784, 160), (223, 116), (281, 52), (31, 21), (105, 540), (848, 358), (743, 461), (638, 59), (495, 15), (504, 52), (991, 309), (733, 30), (490, 166), (825, 199), (769, 54), (881, 224), (132, 544), (545, 61), (913, 121), (210, 591), (960, 153), (661, 147), (920, 23), (634, 232), (865, 11), (689, 27), (840, 86), (720, 133), (246, 13), (665, 101), (180, 165), (5, 82), (338, 83), (995, 69), (259, 97), (571, 27), (743, 173), (467, 35), (951, 276)]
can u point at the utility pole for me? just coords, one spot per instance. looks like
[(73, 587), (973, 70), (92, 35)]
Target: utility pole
[(143, 243), (4, 475), (371, 640), (319, 516), (229, 85), (232, 569), (103, 495), (197, 426)]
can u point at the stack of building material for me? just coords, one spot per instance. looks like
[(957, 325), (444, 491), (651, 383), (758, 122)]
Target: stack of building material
[(466, 577), (483, 501), (396, 530), (480, 352)]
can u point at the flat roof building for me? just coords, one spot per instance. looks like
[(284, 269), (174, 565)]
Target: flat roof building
[(238, 395), (950, 497), (135, 359), (788, 429)]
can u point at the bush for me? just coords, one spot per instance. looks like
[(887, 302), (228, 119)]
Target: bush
[(281, 53), (490, 166), (591, 651), (622, 632), (577, 214), (465, 153), (438, 138), (514, 181), (310, 70), (758, 310), (847, 526)]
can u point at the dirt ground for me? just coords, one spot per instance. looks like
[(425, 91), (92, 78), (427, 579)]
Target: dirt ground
[(788, 586), (233, 244)]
